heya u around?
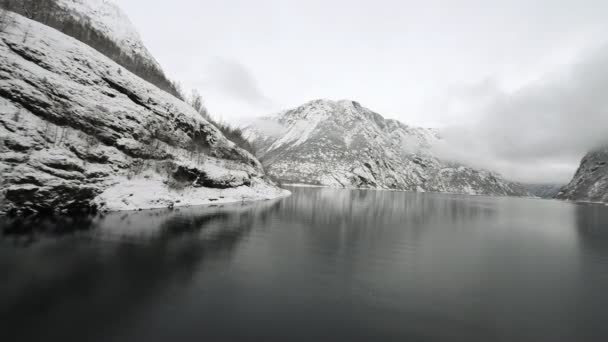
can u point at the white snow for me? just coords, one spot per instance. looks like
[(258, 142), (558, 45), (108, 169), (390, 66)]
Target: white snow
[(107, 17), (298, 128), (148, 191)]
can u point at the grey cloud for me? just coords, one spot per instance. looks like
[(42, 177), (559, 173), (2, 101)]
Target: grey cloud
[(235, 79), (541, 130), (268, 127)]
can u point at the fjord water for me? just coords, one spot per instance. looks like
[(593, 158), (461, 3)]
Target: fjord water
[(323, 264)]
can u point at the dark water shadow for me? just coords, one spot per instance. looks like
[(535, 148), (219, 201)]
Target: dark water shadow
[(64, 276), (592, 228)]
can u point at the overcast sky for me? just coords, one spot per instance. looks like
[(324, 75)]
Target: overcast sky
[(517, 84)]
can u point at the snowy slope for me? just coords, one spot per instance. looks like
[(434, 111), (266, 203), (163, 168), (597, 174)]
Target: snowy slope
[(590, 183), (106, 17), (343, 144), (78, 131)]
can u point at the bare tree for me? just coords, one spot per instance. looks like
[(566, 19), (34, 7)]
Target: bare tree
[(26, 34), (179, 90), (5, 18), (34, 9), (196, 101)]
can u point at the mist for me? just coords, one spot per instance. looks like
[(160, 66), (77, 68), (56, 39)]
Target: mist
[(237, 81), (268, 127), (539, 132)]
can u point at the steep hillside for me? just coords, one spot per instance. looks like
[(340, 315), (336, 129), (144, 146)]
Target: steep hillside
[(77, 131), (106, 17), (102, 25), (342, 144), (590, 183)]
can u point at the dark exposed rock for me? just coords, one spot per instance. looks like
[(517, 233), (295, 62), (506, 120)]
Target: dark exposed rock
[(52, 198), (590, 183), (197, 178)]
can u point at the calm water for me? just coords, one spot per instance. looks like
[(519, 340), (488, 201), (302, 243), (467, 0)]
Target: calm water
[(331, 265)]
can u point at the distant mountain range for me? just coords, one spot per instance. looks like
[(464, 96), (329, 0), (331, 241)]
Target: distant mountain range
[(343, 144)]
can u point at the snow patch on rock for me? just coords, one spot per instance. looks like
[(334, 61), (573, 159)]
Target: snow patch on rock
[(590, 183)]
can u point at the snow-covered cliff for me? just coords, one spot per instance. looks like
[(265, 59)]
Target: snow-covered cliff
[(77, 131), (342, 144), (590, 183), (108, 18), (102, 25)]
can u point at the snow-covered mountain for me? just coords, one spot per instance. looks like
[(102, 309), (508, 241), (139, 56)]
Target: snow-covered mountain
[(78, 131), (342, 144), (590, 183), (106, 17), (102, 25)]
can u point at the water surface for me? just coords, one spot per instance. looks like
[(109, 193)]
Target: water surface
[(323, 264)]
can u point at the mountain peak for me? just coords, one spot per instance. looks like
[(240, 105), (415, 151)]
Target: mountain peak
[(347, 102), (325, 108), (343, 144), (330, 102)]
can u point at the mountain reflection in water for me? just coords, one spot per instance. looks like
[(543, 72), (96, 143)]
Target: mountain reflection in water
[(323, 264)]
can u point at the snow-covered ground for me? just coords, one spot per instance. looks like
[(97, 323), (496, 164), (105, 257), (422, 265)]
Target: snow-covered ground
[(150, 192), (77, 129)]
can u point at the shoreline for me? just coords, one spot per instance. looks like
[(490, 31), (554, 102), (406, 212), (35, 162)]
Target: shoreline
[(300, 185), (148, 194)]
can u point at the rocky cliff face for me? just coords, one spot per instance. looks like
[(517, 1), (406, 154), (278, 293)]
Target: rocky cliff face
[(106, 17), (102, 25), (79, 131), (342, 144), (590, 183)]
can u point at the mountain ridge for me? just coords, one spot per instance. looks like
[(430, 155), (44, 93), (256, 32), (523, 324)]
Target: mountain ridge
[(343, 144)]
